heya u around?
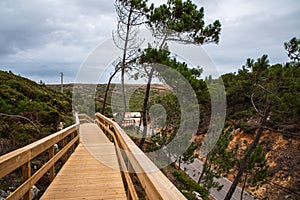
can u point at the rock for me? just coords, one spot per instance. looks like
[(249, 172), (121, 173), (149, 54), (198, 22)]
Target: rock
[(288, 196), (197, 195), (34, 192), (60, 126), (236, 131), (56, 149), (11, 188), (3, 194)]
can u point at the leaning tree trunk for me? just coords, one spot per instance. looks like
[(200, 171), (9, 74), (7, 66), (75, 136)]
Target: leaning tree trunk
[(144, 113), (107, 89), (243, 166), (203, 170), (124, 63), (244, 185), (146, 99)]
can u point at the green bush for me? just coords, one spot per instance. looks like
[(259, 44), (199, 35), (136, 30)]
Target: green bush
[(21, 97), (49, 117), (186, 183)]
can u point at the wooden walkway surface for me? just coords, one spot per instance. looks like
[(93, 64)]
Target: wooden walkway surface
[(92, 171)]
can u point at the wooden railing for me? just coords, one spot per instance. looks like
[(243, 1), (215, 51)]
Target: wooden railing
[(84, 118), (155, 184), (22, 158)]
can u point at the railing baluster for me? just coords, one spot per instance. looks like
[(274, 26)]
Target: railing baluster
[(64, 157), (26, 174), (72, 137), (51, 171)]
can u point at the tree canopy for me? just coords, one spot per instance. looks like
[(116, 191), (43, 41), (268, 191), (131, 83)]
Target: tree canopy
[(183, 22)]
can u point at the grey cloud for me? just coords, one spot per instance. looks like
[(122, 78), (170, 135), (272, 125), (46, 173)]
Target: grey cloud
[(37, 34), (27, 24), (252, 35), (47, 37), (22, 27), (96, 6)]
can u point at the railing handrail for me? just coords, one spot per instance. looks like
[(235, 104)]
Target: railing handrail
[(85, 117), (22, 158), (155, 183)]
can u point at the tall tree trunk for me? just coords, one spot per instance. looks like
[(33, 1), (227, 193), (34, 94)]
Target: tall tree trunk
[(163, 141), (244, 185), (179, 162), (107, 89), (139, 127), (144, 113), (124, 63), (203, 170), (243, 166)]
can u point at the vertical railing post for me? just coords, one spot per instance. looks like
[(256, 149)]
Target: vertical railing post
[(64, 157), (52, 169), (26, 174), (130, 172), (72, 137)]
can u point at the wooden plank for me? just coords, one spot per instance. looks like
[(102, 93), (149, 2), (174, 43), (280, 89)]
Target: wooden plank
[(92, 171), (52, 169), (72, 136), (64, 157)]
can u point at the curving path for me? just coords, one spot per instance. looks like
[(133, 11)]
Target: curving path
[(92, 171)]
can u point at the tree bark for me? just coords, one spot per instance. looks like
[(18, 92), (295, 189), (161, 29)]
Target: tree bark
[(144, 112), (139, 127), (124, 63), (243, 166), (107, 89), (244, 185), (203, 171)]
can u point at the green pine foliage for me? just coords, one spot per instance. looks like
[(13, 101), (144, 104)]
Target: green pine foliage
[(275, 85), (293, 49), (187, 185), (257, 168), (219, 161), (177, 16)]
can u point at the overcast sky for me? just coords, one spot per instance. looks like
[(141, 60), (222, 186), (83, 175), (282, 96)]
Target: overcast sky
[(41, 38)]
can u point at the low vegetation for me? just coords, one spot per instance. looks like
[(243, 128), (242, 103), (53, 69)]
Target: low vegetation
[(29, 111)]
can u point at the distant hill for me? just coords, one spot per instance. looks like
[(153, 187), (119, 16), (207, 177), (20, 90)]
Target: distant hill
[(86, 91), (29, 111)]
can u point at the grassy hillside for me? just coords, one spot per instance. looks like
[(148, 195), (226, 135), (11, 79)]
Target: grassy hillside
[(29, 111)]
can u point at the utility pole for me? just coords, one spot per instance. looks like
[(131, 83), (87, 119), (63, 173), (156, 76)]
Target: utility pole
[(61, 82)]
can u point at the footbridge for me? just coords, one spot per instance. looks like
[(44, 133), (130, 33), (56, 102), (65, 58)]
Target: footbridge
[(97, 160)]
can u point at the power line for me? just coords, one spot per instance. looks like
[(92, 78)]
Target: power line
[(61, 82)]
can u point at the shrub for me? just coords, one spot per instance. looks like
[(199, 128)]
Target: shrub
[(186, 183)]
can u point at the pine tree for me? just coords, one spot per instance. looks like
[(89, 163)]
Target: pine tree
[(219, 161), (131, 15), (182, 22), (257, 169)]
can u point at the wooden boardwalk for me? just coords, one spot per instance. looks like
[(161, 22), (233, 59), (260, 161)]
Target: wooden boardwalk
[(92, 171)]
